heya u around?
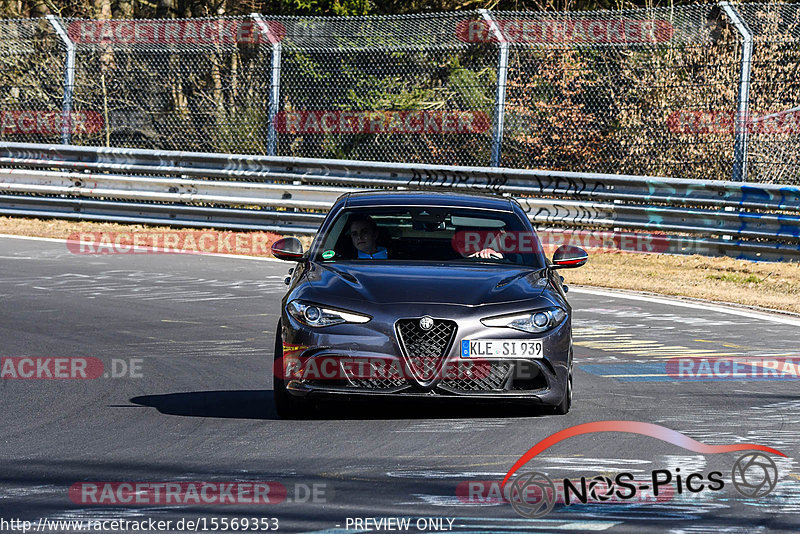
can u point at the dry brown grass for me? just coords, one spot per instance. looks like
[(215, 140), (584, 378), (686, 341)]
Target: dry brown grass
[(60, 229), (767, 285), (64, 229)]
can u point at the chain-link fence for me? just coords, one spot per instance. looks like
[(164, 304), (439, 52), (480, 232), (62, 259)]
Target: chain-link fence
[(649, 91), (199, 84), (625, 105), (387, 89), (32, 63), (774, 125)]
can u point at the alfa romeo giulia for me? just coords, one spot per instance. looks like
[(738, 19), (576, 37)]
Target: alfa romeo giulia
[(426, 295)]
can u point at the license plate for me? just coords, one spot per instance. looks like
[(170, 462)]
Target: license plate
[(501, 348)]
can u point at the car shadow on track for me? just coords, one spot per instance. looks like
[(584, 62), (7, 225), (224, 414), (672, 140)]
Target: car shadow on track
[(259, 404), (245, 404)]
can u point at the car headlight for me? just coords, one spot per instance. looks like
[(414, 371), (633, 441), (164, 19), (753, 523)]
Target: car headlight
[(535, 321), (315, 315)]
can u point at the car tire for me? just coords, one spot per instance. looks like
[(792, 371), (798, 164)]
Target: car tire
[(287, 405), (564, 406)]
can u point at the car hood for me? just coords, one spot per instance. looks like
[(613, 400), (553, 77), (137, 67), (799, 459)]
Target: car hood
[(388, 283)]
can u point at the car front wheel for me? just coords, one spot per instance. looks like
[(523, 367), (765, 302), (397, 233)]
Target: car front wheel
[(287, 406), (563, 407)]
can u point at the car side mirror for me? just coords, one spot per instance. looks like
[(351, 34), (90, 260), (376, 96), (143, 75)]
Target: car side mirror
[(568, 257), (288, 248)]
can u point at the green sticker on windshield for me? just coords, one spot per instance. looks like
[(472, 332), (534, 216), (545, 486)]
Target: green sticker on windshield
[(328, 254)]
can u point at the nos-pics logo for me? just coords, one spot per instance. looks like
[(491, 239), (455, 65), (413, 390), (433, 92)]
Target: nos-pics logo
[(533, 494)]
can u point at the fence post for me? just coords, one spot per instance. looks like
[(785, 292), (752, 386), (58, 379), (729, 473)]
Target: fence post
[(743, 100), (275, 81), (69, 80), (500, 93)]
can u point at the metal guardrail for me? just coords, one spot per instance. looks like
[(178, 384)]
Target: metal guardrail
[(756, 221)]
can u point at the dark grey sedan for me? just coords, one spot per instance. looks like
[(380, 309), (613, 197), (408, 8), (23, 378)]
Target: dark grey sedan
[(420, 294)]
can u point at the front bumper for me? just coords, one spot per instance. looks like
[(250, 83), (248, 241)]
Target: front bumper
[(320, 393), (531, 381)]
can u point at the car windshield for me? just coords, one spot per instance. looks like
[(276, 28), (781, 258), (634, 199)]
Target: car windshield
[(420, 233)]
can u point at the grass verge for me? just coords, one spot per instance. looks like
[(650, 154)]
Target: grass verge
[(765, 285)]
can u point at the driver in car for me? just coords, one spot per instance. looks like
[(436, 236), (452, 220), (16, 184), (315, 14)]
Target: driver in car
[(485, 250), (364, 233)]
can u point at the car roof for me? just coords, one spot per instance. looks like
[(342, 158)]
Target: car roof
[(427, 198)]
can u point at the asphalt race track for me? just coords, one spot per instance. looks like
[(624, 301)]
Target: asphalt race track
[(198, 332)]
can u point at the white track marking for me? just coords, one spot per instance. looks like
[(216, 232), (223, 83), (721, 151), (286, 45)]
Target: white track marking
[(30, 238), (699, 305)]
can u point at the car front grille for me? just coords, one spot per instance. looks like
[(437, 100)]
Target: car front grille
[(380, 377), (425, 350), (378, 383), (481, 376)]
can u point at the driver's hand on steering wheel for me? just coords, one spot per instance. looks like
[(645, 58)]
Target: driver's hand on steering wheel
[(487, 253)]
